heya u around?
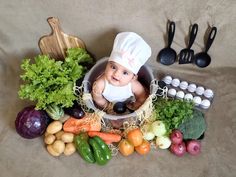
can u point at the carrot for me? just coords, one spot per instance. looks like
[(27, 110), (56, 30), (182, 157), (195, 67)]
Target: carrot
[(108, 142), (107, 137), (76, 126)]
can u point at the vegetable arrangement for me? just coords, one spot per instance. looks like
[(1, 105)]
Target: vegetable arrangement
[(174, 125)]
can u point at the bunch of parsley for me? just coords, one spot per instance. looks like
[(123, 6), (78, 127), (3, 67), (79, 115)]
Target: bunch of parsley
[(48, 81), (173, 112)]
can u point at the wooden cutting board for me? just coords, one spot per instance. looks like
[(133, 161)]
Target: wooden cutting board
[(56, 44)]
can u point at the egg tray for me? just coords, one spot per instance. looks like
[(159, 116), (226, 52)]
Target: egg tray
[(202, 96)]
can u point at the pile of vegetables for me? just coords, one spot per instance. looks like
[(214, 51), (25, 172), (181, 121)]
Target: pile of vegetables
[(134, 141), (175, 125), (50, 82), (58, 141)]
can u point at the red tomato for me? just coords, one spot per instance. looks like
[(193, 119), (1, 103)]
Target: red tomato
[(144, 148), (125, 147), (135, 137)]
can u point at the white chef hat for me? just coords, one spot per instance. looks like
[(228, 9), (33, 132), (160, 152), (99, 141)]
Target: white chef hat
[(130, 51)]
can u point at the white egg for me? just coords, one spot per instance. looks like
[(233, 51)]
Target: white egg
[(172, 92), (180, 94), (175, 82), (167, 79), (183, 85), (208, 93), (205, 104), (192, 87), (200, 90), (197, 100), (188, 97)]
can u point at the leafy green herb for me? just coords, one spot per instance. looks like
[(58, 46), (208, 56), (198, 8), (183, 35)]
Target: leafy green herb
[(172, 112), (51, 82)]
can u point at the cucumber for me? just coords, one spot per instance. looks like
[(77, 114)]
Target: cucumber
[(104, 147), (99, 153), (83, 148)]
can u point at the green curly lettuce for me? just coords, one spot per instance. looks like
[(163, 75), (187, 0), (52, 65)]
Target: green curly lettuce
[(48, 82), (173, 112)]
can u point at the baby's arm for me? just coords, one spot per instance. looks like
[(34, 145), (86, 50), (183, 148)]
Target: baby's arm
[(97, 89), (140, 94)]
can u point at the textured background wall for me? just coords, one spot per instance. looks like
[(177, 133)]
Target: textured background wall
[(97, 22)]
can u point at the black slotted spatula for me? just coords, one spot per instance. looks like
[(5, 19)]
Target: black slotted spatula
[(187, 55)]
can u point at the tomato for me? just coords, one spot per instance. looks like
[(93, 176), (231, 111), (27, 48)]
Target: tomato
[(135, 137), (125, 147), (144, 148)]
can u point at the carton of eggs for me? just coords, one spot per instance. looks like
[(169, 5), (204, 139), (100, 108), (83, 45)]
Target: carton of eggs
[(183, 90)]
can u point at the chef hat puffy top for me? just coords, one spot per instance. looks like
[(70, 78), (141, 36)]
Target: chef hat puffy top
[(130, 51)]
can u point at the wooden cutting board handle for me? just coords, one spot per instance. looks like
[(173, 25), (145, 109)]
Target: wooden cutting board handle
[(56, 44)]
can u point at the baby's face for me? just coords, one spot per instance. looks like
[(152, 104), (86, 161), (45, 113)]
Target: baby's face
[(117, 75)]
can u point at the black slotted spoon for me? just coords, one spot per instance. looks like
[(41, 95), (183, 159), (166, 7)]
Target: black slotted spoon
[(167, 56), (187, 55)]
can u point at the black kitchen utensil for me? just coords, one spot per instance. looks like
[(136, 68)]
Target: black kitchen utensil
[(187, 55), (167, 56), (202, 59)]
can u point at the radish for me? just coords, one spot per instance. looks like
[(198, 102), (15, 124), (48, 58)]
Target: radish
[(193, 147), (176, 137), (178, 149)]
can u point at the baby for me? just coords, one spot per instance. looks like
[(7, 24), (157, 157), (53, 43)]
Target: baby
[(119, 82)]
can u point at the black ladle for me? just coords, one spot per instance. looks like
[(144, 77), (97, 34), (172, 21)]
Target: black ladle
[(202, 59), (167, 56)]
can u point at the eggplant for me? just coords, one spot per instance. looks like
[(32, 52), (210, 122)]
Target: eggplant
[(75, 111), (119, 107)]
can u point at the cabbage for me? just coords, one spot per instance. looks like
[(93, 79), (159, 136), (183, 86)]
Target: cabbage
[(31, 123)]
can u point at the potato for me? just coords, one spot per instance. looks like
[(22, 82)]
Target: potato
[(49, 139), (46, 134), (58, 146), (69, 149), (52, 151), (67, 137), (59, 134), (54, 127)]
